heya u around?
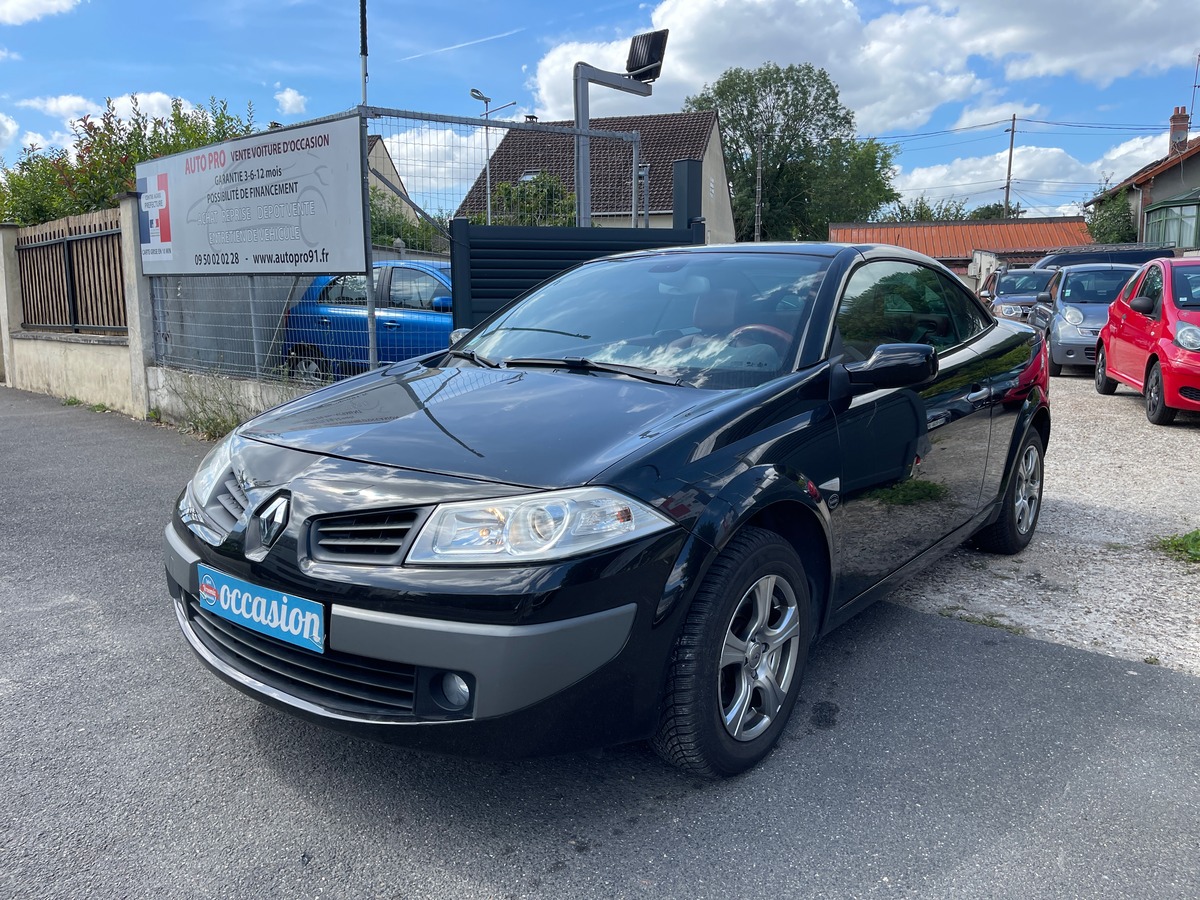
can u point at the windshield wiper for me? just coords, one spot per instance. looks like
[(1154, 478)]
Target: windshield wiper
[(478, 358), (591, 365)]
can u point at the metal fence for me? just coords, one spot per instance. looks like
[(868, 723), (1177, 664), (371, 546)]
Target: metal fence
[(423, 171), (71, 277)]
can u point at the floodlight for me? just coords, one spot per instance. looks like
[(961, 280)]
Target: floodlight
[(646, 53)]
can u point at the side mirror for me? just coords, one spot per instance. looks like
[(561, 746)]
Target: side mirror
[(894, 366), (1043, 297), (1142, 304), (985, 295), (458, 334), (441, 304)]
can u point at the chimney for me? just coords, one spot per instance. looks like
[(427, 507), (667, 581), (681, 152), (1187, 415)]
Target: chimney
[(1179, 129), (529, 117)]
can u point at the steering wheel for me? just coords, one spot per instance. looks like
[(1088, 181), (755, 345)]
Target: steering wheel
[(779, 339)]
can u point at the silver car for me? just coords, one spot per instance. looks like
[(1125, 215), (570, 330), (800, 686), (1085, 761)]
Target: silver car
[(1074, 307)]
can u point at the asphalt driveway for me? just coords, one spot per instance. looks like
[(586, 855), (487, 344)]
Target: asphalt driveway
[(929, 757)]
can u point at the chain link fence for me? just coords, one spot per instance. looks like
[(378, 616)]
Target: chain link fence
[(422, 170)]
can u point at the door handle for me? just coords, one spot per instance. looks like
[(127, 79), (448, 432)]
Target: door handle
[(978, 394), (323, 320)]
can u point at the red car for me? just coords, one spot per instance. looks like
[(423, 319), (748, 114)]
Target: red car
[(1151, 341)]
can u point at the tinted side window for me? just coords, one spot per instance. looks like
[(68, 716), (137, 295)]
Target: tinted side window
[(414, 290), (350, 290), (889, 302), (1152, 287)]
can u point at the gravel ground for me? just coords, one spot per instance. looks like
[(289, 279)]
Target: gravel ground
[(1094, 577)]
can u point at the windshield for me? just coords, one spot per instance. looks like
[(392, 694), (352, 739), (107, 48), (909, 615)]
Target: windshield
[(708, 319), (1095, 287), (1023, 281), (1186, 283)]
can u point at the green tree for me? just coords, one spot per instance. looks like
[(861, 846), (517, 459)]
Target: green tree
[(391, 222), (101, 163), (541, 200), (995, 211), (814, 171), (922, 210), (1110, 220)]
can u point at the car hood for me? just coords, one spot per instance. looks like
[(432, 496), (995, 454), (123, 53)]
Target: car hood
[(537, 428), (1016, 299)]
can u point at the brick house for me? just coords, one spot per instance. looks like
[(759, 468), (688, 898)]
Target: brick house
[(1164, 196), (665, 138)]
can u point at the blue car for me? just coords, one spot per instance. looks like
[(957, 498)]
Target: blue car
[(325, 333)]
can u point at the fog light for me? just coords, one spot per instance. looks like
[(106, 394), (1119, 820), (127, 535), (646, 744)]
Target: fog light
[(455, 691)]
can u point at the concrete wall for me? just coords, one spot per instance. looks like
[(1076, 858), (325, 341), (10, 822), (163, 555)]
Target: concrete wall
[(116, 371)]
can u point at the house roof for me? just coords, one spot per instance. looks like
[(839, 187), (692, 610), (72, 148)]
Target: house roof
[(665, 138), (1147, 172), (958, 240)]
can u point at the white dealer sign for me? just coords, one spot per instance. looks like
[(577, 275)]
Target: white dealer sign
[(285, 201)]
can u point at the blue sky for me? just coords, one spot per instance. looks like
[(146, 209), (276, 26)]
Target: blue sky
[(1092, 90)]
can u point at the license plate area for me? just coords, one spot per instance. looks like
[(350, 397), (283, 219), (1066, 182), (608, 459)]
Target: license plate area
[(297, 621)]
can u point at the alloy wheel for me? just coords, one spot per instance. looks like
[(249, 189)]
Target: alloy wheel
[(758, 657), (1028, 491)]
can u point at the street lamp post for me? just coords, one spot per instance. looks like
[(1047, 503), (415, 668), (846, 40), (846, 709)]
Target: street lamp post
[(477, 94)]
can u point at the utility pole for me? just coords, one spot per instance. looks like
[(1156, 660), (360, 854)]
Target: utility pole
[(1012, 136), (758, 193)]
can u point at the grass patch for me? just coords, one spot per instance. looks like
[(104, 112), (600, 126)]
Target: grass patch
[(72, 401), (98, 407), (990, 621), (1185, 547), (907, 493), (1152, 661)]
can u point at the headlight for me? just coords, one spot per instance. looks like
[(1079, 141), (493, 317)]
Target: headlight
[(212, 470), (1187, 336), (1008, 310), (1073, 315), (532, 527)]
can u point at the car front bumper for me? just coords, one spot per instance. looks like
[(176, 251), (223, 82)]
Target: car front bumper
[(1181, 377), (546, 686)]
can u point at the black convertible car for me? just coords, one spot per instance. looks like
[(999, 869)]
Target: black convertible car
[(622, 508)]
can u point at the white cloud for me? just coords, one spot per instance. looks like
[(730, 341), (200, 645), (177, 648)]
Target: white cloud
[(154, 104), (1000, 112), (65, 107), (291, 102), (8, 130), (894, 70), (17, 12), (8, 54), (36, 139)]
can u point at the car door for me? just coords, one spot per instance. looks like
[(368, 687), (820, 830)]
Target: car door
[(912, 460), (1135, 332), (406, 322), (1044, 309), (339, 322)]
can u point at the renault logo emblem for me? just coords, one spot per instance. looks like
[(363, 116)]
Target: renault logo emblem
[(272, 520)]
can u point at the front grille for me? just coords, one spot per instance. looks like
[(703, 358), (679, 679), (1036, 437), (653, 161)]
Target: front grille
[(229, 504), (339, 682), (1089, 353), (1190, 393), (377, 538)]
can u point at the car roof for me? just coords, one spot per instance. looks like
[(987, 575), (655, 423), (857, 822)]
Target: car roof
[(1098, 267)]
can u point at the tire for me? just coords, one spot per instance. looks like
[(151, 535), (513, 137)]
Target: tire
[(1157, 410), (1022, 503), (737, 664), (1055, 369), (1104, 384), (308, 365)]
